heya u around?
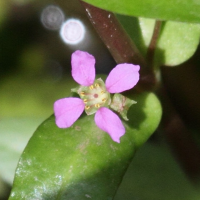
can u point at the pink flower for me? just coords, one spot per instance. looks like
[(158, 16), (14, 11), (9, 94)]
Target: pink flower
[(95, 95)]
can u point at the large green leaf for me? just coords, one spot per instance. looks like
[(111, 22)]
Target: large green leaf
[(177, 41), (82, 161), (175, 10)]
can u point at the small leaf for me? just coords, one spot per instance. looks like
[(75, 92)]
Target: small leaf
[(176, 44), (176, 10), (82, 161)]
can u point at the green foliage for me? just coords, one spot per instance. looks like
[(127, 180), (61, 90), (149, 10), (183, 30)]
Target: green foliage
[(14, 134), (176, 44), (3, 11), (82, 161), (32, 96), (155, 175), (174, 10)]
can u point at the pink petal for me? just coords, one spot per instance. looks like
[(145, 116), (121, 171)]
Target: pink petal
[(67, 111), (83, 70), (109, 122), (122, 77)]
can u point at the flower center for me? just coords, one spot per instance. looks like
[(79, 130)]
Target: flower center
[(94, 96)]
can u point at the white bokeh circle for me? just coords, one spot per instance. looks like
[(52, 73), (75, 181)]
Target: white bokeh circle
[(72, 31)]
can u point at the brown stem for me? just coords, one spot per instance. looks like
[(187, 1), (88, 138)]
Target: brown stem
[(113, 35), (153, 43), (183, 146), (180, 140), (119, 43)]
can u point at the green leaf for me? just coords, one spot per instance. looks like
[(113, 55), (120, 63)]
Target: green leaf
[(176, 44), (174, 10), (154, 174), (82, 162)]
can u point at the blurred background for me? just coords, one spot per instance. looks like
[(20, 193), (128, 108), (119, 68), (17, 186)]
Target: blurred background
[(37, 39)]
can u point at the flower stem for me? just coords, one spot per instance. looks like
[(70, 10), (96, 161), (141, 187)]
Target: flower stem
[(119, 43)]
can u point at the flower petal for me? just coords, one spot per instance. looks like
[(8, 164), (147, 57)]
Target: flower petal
[(67, 111), (122, 77), (83, 70), (109, 122)]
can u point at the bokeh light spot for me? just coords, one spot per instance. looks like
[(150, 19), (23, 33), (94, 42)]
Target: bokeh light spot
[(52, 17), (72, 31)]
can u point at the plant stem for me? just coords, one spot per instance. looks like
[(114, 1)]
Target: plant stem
[(179, 138), (152, 46), (113, 35), (119, 43)]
